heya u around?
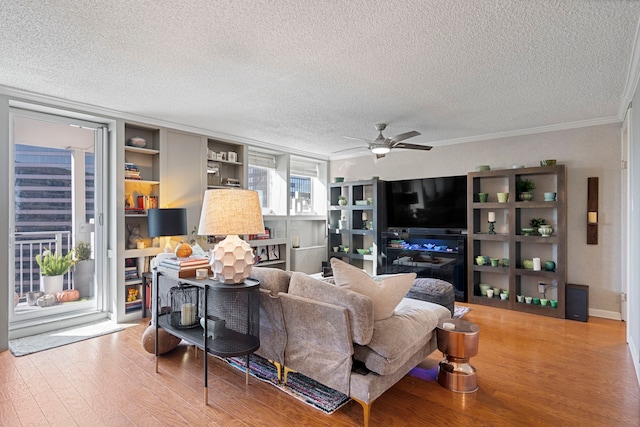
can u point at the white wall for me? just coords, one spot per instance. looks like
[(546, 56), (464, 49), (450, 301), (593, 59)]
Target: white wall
[(590, 151)]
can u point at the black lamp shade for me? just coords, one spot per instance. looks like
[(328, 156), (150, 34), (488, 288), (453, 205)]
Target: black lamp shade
[(167, 222)]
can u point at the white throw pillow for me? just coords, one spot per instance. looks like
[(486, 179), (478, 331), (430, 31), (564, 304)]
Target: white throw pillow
[(386, 294)]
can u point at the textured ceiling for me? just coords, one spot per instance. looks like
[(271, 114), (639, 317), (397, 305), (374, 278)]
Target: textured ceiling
[(302, 74)]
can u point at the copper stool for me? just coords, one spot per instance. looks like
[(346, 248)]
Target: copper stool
[(458, 341)]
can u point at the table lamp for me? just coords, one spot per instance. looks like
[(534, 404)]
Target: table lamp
[(231, 212), (167, 223)]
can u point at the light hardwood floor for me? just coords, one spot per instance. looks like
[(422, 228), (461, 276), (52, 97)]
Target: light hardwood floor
[(532, 370)]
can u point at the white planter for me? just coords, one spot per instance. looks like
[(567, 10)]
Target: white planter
[(51, 284)]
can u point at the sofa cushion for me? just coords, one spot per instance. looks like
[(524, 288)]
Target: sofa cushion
[(359, 307), (272, 279), (385, 293), (398, 337)]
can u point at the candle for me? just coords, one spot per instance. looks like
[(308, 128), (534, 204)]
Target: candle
[(364, 216), (492, 217), (295, 241), (188, 314), (536, 264)]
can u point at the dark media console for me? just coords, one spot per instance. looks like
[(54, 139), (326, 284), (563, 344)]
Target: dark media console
[(428, 252)]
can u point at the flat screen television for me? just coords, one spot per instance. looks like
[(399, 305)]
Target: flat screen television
[(427, 203)]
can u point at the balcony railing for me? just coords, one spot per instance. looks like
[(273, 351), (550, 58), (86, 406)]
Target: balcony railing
[(27, 246)]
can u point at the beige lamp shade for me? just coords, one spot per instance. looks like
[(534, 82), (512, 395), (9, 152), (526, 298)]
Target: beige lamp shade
[(231, 212)]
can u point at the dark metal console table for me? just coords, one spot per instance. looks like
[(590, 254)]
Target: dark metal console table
[(232, 311)]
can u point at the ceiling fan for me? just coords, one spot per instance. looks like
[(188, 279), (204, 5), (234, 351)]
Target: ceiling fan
[(382, 145)]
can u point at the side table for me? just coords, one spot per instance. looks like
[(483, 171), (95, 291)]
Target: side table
[(231, 312), (458, 341)]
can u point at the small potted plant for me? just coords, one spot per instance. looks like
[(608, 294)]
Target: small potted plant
[(540, 225), (525, 188), (52, 270), (537, 222), (342, 200), (83, 269)]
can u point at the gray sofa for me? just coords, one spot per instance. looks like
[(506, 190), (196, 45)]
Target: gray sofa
[(322, 330)]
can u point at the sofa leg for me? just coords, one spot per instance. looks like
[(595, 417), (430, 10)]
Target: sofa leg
[(366, 409), (286, 374), (278, 370)]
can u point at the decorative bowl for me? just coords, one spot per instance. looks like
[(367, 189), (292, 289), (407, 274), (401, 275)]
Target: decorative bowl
[(361, 203), (363, 251), (483, 288), (528, 264), (545, 230), (483, 168), (137, 141), (528, 231), (548, 162), (338, 179)]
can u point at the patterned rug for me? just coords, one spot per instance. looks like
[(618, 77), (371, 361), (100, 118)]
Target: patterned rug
[(302, 388), (460, 311)]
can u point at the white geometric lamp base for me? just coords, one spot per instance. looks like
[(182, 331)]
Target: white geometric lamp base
[(232, 260)]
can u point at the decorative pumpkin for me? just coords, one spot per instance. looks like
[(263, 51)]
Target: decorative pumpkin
[(68, 295), (183, 250)]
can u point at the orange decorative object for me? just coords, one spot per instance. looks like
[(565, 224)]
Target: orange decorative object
[(68, 295), (183, 250)]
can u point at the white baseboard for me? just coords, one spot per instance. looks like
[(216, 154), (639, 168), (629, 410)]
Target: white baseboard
[(606, 314)]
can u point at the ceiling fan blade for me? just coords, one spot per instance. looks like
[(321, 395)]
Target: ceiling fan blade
[(395, 139), (357, 139), (362, 147), (412, 146)]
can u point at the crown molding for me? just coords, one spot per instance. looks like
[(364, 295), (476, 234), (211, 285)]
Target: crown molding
[(530, 131), (93, 112)]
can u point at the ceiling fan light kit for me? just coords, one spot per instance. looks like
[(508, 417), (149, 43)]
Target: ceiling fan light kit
[(380, 149)]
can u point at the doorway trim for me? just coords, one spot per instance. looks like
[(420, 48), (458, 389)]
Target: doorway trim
[(98, 309)]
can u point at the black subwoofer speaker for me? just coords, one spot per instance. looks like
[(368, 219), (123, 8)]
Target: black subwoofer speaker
[(577, 297)]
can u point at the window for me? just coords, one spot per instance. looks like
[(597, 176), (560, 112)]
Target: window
[(306, 191), (265, 179)]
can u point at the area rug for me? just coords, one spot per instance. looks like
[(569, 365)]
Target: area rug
[(460, 311), (302, 388), (60, 337)]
